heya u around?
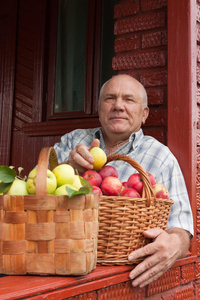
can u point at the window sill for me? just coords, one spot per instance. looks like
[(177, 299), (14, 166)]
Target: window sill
[(15, 287), (60, 127), (61, 287)]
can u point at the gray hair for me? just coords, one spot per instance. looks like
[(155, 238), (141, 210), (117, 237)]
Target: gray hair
[(143, 93)]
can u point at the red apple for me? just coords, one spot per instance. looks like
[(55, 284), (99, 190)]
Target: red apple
[(135, 181), (160, 191), (97, 190), (129, 192), (92, 177), (108, 171), (124, 184), (111, 186), (151, 178)]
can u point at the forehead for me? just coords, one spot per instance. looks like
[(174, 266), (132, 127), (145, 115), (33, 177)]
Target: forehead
[(122, 85)]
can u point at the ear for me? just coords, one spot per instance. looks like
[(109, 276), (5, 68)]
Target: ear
[(145, 114)]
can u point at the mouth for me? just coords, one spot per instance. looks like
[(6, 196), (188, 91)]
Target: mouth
[(117, 118)]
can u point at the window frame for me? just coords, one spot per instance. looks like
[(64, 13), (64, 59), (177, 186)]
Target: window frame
[(92, 66)]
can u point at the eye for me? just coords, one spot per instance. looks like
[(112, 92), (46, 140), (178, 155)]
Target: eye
[(109, 98), (129, 100)]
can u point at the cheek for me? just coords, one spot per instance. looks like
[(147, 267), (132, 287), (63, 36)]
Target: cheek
[(102, 114), (135, 115), (104, 110)]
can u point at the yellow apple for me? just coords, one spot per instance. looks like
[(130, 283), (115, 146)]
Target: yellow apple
[(61, 190), (77, 183), (99, 156), (18, 187), (31, 182), (64, 174)]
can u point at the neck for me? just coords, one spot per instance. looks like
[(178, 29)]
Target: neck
[(114, 144)]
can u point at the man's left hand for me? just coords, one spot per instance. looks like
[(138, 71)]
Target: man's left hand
[(159, 256)]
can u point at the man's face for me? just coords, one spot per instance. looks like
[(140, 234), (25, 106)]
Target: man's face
[(120, 106)]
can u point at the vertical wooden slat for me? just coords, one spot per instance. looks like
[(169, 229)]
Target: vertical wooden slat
[(8, 18), (182, 107)]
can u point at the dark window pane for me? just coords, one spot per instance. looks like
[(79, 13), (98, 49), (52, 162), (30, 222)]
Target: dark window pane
[(70, 58), (107, 40), (85, 48)]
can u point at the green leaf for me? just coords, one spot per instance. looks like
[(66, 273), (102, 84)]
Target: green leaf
[(7, 175), (71, 192), (85, 183), (4, 187), (85, 189)]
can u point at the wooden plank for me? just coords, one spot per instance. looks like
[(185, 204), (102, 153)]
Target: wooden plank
[(158, 117), (58, 287), (182, 107), (12, 287), (7, 67)]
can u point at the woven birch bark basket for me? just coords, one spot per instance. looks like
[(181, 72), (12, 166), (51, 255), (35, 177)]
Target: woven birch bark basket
[(46, 234), (122, 220)]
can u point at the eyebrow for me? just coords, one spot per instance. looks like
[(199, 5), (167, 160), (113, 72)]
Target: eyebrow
[(125, 95)]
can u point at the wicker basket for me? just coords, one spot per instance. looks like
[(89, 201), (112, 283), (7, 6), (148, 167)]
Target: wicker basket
[(122, 220), (46, 234)]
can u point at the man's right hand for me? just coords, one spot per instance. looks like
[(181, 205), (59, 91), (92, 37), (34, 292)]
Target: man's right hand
[(80, 158)]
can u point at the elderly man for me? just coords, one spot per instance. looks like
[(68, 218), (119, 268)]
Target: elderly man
[(122, 110)]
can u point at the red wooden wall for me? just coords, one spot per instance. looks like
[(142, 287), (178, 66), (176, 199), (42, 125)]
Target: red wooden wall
[(141, 50)]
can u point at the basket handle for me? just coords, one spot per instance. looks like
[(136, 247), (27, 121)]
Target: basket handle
[(147, 188), (47, 157)]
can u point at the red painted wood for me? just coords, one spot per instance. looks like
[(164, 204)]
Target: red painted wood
[(58, 287), (156, 118), (121, 291), (187, 273), (84, 288), (8, 19), (182, 91), (21, 286), (39, 54)]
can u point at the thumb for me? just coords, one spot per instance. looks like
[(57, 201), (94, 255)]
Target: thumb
[(95, 143), (152, 233)]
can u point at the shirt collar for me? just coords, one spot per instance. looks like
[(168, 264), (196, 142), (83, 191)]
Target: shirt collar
[(135, 138)]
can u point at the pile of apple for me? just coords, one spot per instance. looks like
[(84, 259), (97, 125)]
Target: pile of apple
[(56, 180), (103, 180), (61, 176), (106, 182)]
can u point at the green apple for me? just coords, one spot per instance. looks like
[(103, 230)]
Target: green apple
[(31, 182), (64, 174), (18, 187), (61, 190), (77, 183)]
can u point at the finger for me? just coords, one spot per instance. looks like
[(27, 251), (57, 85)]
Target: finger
[(148, 276), (149, 248), (153, 232), (83, 160), (95, 143), (143, 266), (142, 252), (77, 159), (84, 153)]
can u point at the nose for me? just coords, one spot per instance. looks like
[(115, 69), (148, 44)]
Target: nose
[(118, 104)]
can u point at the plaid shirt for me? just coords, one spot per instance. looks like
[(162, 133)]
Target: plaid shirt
[(153, 156)]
